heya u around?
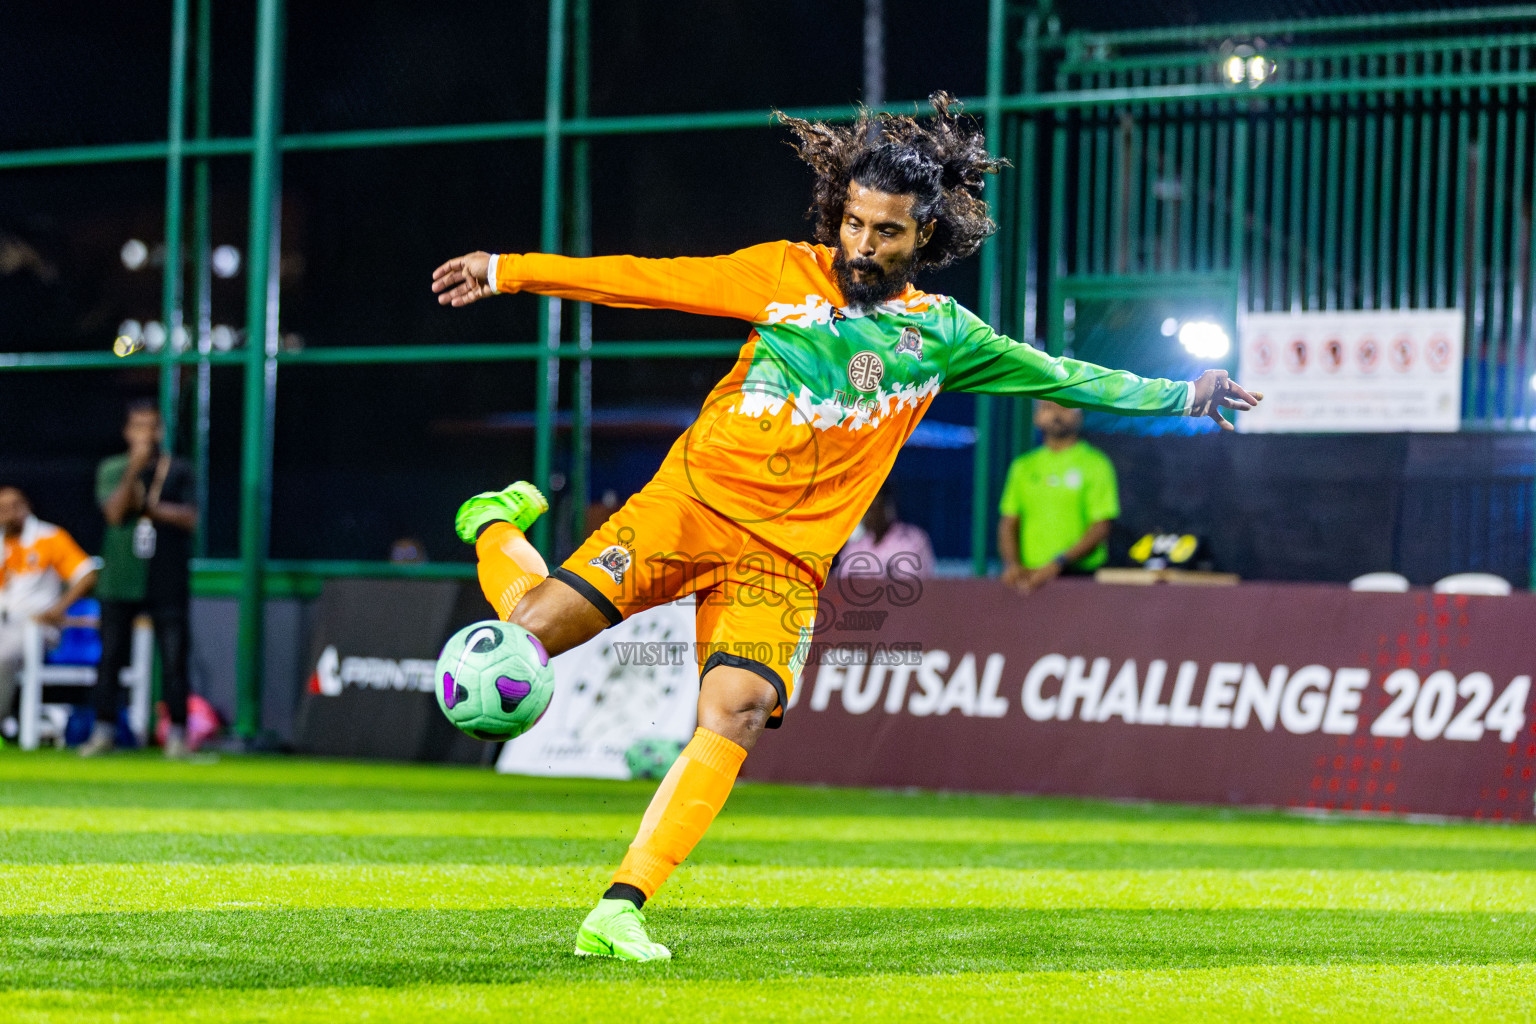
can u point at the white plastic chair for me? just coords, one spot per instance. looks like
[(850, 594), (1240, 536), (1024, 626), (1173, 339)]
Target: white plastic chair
[(1380, 583), (1484, 583), (35, 674)]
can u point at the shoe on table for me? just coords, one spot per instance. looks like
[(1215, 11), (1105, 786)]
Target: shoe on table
[(176, 743), (101, 741), (519, 504), (616, 928)]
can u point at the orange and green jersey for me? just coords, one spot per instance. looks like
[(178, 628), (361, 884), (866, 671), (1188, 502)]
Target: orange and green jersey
[(796, 439)]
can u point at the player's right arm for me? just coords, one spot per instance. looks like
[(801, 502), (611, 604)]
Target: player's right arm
[(740, 284)]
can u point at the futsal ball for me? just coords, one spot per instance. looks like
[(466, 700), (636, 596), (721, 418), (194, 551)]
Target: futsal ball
[(493, 680)]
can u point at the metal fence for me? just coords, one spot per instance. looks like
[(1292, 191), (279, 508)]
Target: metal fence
[(1377, 162)]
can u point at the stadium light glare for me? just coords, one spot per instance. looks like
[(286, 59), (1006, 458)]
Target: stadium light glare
[(1258, 70), (226, 262), (1204, 339), (134, 254), (1170, 327), (154, 335), (1236, 69)]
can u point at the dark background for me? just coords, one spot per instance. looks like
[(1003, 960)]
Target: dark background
[(367, 454)]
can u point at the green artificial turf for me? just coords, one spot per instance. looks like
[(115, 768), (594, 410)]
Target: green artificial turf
[(290, 890)]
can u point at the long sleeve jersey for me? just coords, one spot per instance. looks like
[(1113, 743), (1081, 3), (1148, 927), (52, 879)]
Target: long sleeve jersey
[(796, 439)]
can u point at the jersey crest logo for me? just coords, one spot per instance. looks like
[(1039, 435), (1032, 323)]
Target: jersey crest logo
[(865, 371), (910, 342), (613, 560)]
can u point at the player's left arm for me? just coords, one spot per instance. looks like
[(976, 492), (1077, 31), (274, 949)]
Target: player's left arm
[(989, 363)]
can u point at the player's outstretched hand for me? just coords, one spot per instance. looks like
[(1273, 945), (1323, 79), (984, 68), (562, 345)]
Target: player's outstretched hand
[(463, 280), (1215, 391)]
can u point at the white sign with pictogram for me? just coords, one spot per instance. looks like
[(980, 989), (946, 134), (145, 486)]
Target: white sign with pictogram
[(635, 682), (1353, 372)]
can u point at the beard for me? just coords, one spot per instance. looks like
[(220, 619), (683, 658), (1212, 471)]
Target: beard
[(879, 283)]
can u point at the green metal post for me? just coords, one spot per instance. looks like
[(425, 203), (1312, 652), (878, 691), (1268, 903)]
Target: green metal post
[(1331, 201), (202, 243), (1315, 183), (1189, 197), (1236, 227), (581, 245), (1476, 282), (1029, 133), (1349, 186), (1055, 255), (1101, 144), (1391, 158), (1496, 319), (991, 304), (1526, 323), (549, 241), (1421, 249), (170, 290), (1254, 281), (260, 365), (1026, 245)]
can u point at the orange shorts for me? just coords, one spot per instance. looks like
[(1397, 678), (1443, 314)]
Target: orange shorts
[(756, 602)]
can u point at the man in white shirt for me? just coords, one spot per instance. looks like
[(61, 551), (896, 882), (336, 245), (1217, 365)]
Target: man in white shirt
[(42, 574)]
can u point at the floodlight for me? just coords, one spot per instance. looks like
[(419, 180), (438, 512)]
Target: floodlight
[(134, 254), (1204, 339), (226, 261)]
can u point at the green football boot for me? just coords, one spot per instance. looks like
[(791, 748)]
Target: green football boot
[(616, 928), (520, 504)]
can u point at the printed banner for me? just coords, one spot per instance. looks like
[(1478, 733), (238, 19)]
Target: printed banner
[(370, 693), (1266, 694), (1348, 372), (635, 684)]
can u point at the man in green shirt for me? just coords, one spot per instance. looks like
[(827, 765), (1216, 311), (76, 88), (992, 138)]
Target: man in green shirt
[(1058, 504), (146, 498)]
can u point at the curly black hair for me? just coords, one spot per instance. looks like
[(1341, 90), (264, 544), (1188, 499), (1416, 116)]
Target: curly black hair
[(941, 161)]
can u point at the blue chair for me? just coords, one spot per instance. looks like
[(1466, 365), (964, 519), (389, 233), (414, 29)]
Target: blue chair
[(79, 640)]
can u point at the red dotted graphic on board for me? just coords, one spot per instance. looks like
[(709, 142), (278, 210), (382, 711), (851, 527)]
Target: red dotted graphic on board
[(1367, 773), (1509, 794), (1360, 775)]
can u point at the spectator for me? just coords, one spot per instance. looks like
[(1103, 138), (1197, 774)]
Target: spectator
[(1058, 504), (44, 572), (146, 498), (882, 545)]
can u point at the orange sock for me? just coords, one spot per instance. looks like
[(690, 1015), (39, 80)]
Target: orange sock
[(689, 798), (509, 567)]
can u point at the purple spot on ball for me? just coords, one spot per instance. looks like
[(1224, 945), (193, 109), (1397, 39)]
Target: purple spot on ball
[(543, 654), (512, 692), (450, 698)]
